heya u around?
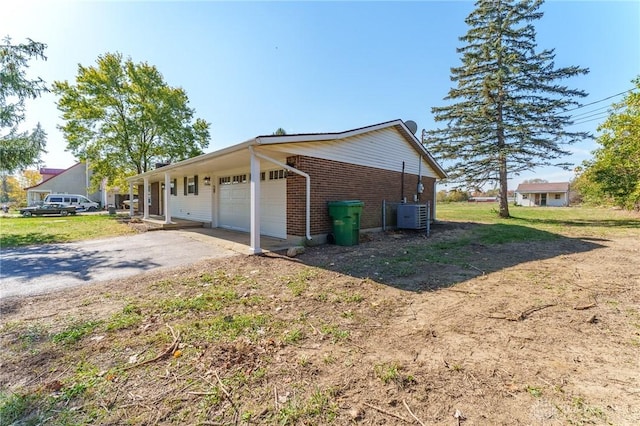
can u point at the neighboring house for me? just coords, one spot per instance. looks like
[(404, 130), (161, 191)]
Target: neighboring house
[(73, 180), (279, 185), (47, 173), (554, 194)]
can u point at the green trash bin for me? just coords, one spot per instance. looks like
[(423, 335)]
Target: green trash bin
[(345, 217)]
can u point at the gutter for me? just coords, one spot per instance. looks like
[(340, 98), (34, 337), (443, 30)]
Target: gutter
[(298, 172)]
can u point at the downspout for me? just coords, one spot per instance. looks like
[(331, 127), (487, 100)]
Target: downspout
[(402, 200), (298, 172), (420, 187), (433, 201)]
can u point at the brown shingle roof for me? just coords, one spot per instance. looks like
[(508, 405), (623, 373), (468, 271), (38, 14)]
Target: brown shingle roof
[(543, 187)]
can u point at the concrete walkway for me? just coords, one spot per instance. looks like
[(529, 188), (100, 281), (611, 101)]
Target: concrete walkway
[(44, 268)]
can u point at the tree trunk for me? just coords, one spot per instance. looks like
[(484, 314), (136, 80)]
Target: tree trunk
[(504, 202), (502, 156), (4, 197)]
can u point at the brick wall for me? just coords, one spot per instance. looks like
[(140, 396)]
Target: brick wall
[(141, 195), (154, 207), (334, 181)]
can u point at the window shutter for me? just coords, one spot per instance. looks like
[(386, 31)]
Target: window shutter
[(174, 189), (186, 182), (195, 185)]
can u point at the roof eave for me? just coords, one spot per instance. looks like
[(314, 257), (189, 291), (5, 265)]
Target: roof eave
[(192, 160)]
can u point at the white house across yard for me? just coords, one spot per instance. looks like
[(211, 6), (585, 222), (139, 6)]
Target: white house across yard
[(554, 194), (279, 185)]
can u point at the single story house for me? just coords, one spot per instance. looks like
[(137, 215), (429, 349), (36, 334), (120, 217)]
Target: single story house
[(555, 194), (279, 185), (74, 180)]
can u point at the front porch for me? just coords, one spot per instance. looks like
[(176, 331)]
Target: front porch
[(233, 240), (155, 222)]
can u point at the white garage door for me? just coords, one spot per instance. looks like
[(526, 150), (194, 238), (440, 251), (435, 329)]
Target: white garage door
[(235, 207)]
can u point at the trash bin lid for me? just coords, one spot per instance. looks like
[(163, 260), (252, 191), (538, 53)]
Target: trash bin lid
[(346, 203)]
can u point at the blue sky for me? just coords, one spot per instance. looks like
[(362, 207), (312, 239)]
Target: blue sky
[(251, 67)]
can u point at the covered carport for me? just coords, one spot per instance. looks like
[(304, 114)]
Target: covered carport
[(240, 188)]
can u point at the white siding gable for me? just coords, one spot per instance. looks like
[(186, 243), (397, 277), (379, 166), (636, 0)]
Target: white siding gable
[(382, 149)]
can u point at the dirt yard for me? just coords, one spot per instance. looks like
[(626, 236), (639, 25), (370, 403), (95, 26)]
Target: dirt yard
[(398, 330)]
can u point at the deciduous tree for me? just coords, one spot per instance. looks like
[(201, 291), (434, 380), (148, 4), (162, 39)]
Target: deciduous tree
[(123, 118), (508, 113), (614, 173)]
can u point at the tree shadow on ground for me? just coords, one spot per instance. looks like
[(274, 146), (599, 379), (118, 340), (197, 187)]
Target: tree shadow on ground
[(455, 252), (31, 238), (597, 223), (28, 266)]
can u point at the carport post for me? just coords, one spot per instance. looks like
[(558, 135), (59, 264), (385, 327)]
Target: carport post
[(130, 199), (255, 204), (167, 195), (145, 198)]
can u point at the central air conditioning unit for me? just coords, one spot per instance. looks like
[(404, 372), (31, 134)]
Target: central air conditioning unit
[(412, 216)]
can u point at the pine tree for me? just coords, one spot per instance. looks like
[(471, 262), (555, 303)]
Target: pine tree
[(508, 112), (19, 149)]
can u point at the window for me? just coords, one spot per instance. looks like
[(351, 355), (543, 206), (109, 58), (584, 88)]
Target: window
[(277, 174), (558, 196), (525, 196), (225, 180), (174, 187), (191, 185), (239, 179)]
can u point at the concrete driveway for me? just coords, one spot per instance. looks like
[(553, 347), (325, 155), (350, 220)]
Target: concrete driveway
[(41, 269)]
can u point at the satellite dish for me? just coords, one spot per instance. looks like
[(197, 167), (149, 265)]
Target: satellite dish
[(411, 125)]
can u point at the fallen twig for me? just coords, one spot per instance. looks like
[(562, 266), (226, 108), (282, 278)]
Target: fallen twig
[(171, 349), (522, 315), (585, 307), (462, 291), (275, 397), (411, 412), (228, 395), (388, 413), (477, 269), (315, 330), (497, 316), (222, 386)]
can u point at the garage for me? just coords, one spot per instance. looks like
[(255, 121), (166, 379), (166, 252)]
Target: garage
[(235, 203)]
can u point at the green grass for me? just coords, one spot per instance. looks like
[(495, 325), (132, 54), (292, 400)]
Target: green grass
[(293, 336), (74, 332), (14, 407), (24, 231), (228, 327), (542, 218), (130, 316), (536, 392), (298, 284), (527, 225), (319, 408)]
